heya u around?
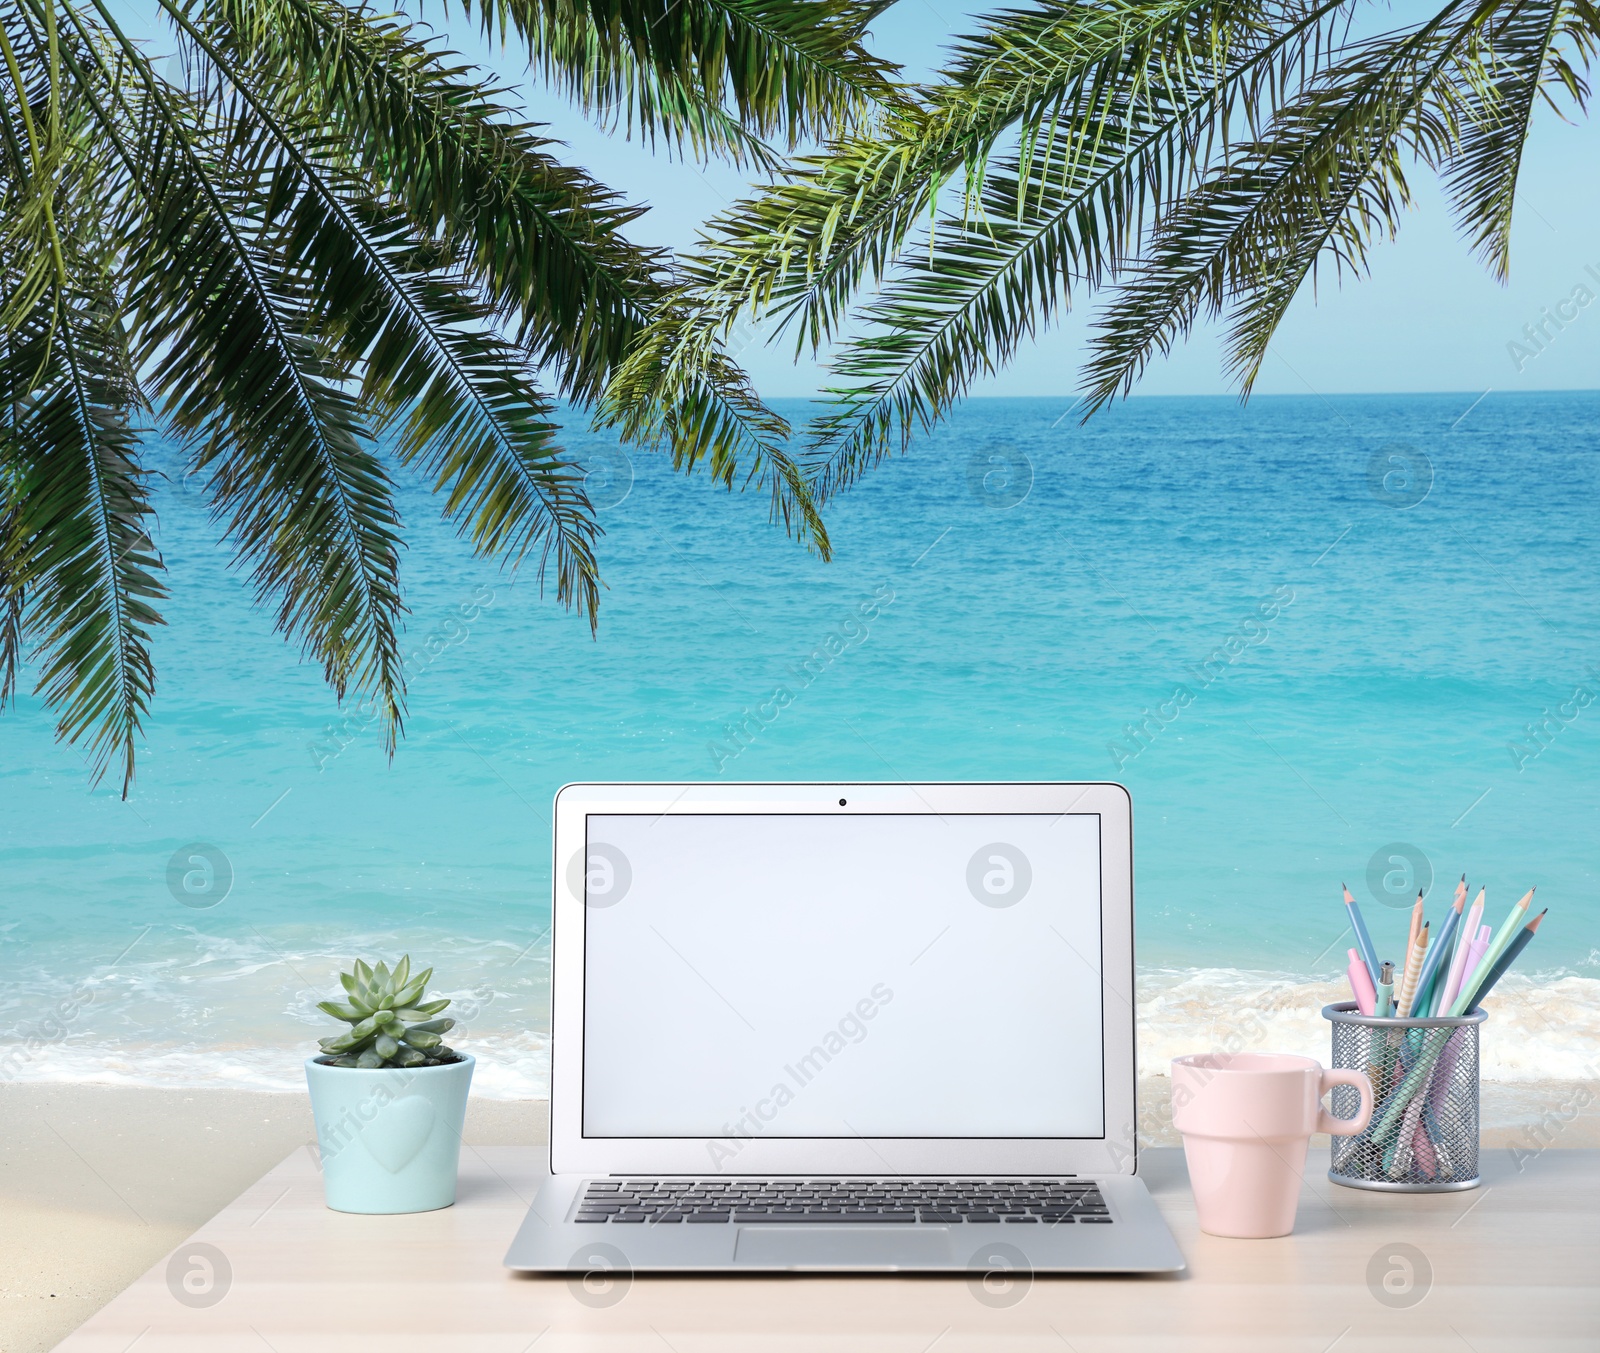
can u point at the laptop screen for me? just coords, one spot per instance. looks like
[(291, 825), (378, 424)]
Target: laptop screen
[(801, 975)]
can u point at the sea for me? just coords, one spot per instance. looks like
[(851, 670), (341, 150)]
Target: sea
[(1323, 641)]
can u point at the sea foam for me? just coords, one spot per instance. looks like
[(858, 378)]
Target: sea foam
[(1540, 1028)]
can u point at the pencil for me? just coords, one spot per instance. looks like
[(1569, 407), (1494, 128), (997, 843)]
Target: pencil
[(1369, 955), (1408, 984), (1524, 937), (1497, 946), (1458, 965), (1399, 1100), (1431, 979), (1416, 922)]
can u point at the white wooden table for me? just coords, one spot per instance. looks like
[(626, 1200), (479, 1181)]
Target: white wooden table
[(1511, 1267)]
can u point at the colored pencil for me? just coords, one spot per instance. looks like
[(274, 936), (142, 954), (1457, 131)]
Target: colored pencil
[(1438, 952), (1480, 946), (1524, 938), (1497, 946), (1414, 961), (1369, 955), (1458, 964), (1448, 974)]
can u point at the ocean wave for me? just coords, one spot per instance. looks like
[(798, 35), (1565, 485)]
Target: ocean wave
[(508, 1067), (1541, 1027), (185, 1009)]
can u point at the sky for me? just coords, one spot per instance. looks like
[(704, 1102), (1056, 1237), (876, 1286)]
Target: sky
[(1428, 318)]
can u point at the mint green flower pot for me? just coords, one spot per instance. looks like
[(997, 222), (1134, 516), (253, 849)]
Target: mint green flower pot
[(390, 1138)]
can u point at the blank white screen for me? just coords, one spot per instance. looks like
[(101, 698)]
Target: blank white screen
[(818, 975)]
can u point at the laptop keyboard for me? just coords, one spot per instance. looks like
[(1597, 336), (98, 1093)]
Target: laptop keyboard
[(941, 1202)]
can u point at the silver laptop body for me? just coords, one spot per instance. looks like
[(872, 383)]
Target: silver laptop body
[(843, 1027)]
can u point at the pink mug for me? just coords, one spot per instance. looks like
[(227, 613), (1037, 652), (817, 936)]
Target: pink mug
[(1246, 1120)]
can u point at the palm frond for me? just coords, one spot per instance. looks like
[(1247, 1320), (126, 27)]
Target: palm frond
[(426, 345), (226, 332), (325, 228), (800, 250), (1518, 55), (544, 239), (13, 570), (794, 68), (689, 395), (468, 408), (78, 532), (1091, 172), (38, 146), (1328, 177)]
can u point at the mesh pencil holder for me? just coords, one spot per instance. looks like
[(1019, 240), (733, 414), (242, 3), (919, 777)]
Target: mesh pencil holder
[(1423, 1137)]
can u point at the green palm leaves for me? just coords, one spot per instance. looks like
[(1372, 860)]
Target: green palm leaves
[(1175, 158), (319, 250)]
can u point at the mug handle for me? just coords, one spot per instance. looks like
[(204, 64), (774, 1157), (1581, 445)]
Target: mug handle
[(1346, 1127)]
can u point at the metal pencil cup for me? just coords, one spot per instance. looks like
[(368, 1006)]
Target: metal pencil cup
[(1423, 1137)]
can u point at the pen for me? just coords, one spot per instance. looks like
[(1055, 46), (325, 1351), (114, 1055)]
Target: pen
[(1361, 984), (1384, 1005)]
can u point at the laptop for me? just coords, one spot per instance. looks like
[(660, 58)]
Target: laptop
[(843, 1028)]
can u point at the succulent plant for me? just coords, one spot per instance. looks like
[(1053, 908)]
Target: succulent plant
[(394, 1027)]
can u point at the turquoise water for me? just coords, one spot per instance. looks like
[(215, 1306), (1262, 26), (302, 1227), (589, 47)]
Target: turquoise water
[(1318, 661)]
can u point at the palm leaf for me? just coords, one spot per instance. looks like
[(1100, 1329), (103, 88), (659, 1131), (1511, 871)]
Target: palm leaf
[(1112, 152), (1328, 177), (79, 534), (790, 67), (691, 396), (324, 229), (1520, 53), (38, 145), (224, 330), (427, 346), (545, 240), (542, 238), (801, 249)]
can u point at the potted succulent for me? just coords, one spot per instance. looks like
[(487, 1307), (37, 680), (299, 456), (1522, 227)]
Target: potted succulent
[(388, 1096)]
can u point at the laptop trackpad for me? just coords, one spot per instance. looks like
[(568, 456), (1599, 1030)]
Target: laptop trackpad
[(884, 1247)]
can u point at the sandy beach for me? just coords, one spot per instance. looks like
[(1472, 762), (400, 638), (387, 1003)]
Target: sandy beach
[(97, 1183)]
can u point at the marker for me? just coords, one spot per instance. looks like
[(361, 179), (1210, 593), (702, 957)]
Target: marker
[(1361, 984), (1369, 955), (1383, 1006)]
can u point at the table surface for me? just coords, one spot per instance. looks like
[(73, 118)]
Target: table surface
[(1509, 1266)]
